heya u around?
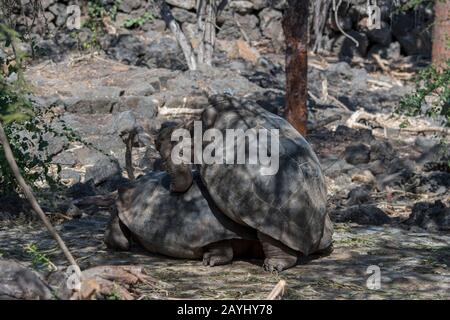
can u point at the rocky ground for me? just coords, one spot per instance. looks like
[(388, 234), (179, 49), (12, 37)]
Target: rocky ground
[(388, 178), (387, 210)]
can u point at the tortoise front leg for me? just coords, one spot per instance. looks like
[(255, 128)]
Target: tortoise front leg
[(278, 257), (218, 254), (117, 235), (180, 174)]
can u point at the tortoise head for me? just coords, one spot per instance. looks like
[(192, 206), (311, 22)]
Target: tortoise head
[(164, 134)]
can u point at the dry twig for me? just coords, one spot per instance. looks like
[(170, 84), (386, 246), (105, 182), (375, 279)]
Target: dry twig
[(277, 291)]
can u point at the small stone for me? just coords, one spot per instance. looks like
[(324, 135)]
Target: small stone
[(365, 177), (184, 4), (20, 282), (182, 15), (241, 6), (241, 49), (357, 154), (129, 5), (362, 214), (102, 170), (381, 150), (359, 195), (430, 216), (380, 36), (259, 4), (270, 24), (73, 211)]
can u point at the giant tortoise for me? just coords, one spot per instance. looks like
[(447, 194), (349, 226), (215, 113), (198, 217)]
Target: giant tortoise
[(288, 208), (184, 225)]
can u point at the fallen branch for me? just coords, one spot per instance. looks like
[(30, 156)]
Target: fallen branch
[(338, 103), (201, 27), (380, 83), (380, 121), (381, 63), (179, 35), (353, 121), (277, 291), (104, 281), (241, 29), (32, 199), (326, 121), (427, 129)]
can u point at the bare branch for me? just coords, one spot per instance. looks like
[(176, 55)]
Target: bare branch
[(321, 8), (179, 35), (277, 291), (31, 198), (210, 32), (201, 29)]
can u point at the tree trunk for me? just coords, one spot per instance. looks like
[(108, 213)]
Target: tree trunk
[(441, 33), (179, 35), (295, 27), (210, 32), (321, 8), (201, 28)]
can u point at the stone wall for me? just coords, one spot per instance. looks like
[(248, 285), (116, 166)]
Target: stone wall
[(257, 21)]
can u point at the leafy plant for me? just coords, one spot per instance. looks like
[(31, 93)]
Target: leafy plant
[(138, 21), (432, 97), (25, 130), (414, 4), (114, 294), (39, 259), (96, 11)]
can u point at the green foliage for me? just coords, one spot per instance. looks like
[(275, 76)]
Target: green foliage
[(414, 4), (138, 21), (96, 11), (39, 259), (14, 105), (432, 97), (24, 127), (114, 294), (13, 102)]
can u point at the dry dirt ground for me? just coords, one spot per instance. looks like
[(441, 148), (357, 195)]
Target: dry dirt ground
[(413, 265)]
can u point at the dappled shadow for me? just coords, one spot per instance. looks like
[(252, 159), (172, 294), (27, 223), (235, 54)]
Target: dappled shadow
[(412, 264)]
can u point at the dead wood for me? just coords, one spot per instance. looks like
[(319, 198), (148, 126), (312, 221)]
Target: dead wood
[(382, 121), (106, 281), (186, 47), (277, 291), (322, 123)]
